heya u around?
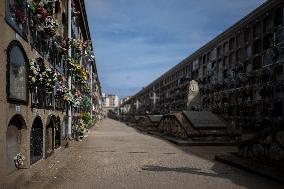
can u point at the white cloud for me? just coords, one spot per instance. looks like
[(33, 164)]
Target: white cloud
[(136, 41)]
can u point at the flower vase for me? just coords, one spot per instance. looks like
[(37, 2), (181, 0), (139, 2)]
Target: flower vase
[(36, 94)]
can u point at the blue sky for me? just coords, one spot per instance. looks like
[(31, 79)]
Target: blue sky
[(136, 41)]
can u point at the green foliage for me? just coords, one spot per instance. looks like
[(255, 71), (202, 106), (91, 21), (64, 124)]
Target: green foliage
[(86, 103), (86, 118)]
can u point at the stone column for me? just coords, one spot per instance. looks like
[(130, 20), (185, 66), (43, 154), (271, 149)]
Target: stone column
[(282, 56), (69, 75)]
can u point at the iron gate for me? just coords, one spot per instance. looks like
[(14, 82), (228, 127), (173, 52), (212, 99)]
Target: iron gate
[(57, 134), (36, 144)]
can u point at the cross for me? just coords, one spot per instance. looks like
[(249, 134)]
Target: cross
[(154, 98), (137, 104)]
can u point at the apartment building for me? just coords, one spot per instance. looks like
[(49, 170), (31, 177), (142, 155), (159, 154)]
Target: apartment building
[(110, 100), (48, 77)]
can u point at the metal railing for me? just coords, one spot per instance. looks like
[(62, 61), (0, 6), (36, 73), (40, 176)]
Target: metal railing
[(42, 99)]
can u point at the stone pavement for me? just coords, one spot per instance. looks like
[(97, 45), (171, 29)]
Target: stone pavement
[(117, 156)]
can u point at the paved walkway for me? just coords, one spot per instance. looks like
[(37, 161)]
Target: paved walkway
[(117, 156)]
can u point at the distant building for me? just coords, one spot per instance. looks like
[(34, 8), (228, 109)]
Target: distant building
[(124, 99), (110, 100), (123, 106), (110, 103)]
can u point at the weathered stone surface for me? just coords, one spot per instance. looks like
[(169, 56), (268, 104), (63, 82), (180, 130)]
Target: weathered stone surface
[(280, 138), (13, 147), (148, 121), (267, 144), (180, 126), (204, 119), (243, 152), (257, 150), (275, 152), (138, 117), (155, 118), (170, 125), (266, 140)]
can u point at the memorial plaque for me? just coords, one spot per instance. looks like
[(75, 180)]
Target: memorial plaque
[(17, 73), (18, 108)]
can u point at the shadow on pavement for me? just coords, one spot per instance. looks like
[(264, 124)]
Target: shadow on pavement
[(188, 170), (219, 170)]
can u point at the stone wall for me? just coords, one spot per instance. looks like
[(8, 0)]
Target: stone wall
[(267, 145)]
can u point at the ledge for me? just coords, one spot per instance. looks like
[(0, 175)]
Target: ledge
[(269, 171)]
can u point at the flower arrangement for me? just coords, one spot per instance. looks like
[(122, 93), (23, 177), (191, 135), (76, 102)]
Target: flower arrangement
[(41, 76), (42, 11), (88, 49), (74, 65), (95, 87), (19, 160), (84, 74), (60, 91), (42, 8), (77, 44), (77, 98), (68, 96), (17, 11), (75, 12), (86, 102), (86, 88), (50, 25), (86, 118), (63, 44), (87, 45), (91, 58), (50, 78), (73, 98), (18, 14), (60, 88), (34, 73), (66, 44), (80, 130)]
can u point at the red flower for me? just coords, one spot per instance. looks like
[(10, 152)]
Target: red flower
[(42, 12), (20, 16)]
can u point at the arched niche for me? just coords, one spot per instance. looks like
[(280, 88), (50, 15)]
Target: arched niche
[(15, 141), (36, 140), (57, 133), (49, 136)]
